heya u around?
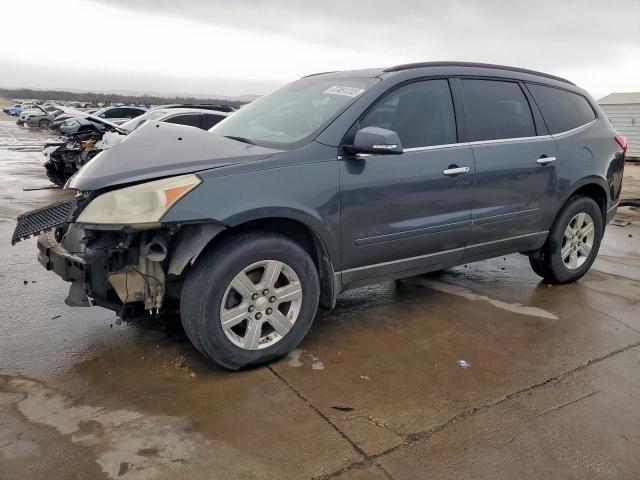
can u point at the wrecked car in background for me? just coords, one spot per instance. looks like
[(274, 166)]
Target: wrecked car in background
[(64, 156), (43, 120), (193, 117), (63, 117), (335, 181), (113, 115), (36, 110)]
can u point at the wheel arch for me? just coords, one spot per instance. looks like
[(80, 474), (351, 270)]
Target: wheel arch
[(297, 230), (593, 187)]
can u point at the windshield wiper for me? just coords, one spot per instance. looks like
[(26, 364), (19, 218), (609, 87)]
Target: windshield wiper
[(240, 139)]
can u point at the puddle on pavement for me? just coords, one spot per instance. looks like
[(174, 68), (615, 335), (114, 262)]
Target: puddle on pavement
[(127, 444)]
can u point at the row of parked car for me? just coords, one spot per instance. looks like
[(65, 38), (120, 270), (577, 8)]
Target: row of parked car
[(87, 133)]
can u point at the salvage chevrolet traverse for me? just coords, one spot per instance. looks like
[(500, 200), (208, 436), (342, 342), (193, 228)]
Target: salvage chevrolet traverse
[(335, 181)]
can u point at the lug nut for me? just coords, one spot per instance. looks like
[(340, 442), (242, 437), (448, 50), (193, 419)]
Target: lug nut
[(265, 292), (258, 316), (251, 308), (269, 311), (254, 296), (272, 299)]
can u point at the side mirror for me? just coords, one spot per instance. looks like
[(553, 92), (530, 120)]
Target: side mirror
[(376, 140)]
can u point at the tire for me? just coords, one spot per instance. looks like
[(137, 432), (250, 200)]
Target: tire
[(208, 284), (44, 124), (552, 262)]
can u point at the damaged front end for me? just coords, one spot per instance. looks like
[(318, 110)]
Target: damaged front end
[(128, 271), (125, 267), (120, 270)]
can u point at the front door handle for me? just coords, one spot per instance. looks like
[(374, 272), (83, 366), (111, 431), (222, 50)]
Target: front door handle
[(544, 160), (453, 171)]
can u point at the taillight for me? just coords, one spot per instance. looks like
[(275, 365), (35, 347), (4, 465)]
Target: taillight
[(622, 142)]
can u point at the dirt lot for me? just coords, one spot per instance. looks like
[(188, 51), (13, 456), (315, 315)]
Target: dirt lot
[(374, 392)]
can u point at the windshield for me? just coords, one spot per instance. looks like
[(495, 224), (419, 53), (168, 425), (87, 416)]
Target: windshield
[(292, 115), (134, 123)]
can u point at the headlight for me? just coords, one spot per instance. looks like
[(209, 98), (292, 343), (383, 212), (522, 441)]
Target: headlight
[(143, 203)]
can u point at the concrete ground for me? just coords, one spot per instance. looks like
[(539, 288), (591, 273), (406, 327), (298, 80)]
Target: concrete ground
[(373, 392)]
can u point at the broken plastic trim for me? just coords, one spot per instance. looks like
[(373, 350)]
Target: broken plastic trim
[(43, 219)]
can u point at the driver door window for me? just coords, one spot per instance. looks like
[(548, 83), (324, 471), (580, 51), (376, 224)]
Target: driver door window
[(421, 113)]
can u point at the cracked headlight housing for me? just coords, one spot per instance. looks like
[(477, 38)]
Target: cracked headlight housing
[(139, 204)]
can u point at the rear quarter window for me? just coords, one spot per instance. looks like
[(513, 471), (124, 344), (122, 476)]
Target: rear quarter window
[(209, 120), (562, 110), (497, 110)]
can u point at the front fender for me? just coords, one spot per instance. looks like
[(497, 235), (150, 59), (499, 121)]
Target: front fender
[(307, 193)]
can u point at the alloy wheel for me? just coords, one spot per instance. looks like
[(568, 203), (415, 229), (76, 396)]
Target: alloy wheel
[(577, 241), (261, 304)]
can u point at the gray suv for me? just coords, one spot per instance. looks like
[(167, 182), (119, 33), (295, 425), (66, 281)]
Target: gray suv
[(335, 181)]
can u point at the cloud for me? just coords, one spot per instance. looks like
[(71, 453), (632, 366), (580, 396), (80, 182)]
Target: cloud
[(545, 33), (248, 46)]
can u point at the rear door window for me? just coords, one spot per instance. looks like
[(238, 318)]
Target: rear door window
[(133, 112), (562, 110), (421, 113), (497, 110), (113, 113), (191, 119)]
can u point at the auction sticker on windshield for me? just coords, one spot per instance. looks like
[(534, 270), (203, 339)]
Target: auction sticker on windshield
[(344, 91)]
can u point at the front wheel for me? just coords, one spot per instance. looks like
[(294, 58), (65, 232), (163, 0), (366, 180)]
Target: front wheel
[(250, 300), (573, 242)]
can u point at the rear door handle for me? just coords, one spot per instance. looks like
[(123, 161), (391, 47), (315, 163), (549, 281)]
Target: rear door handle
[(451, 172), (545, 160)]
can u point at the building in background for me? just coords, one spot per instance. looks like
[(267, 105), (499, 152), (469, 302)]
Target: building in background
[(623, 110)]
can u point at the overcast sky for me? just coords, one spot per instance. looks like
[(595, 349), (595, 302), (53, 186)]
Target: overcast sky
[(242, 47)]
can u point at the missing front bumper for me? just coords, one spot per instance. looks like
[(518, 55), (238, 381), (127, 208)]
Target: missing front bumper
[(67, 266), (113, 276), (54, 257)]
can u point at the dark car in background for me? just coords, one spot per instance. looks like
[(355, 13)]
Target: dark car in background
[(335, 181), (115, 115), (44, 120), (63, 117)]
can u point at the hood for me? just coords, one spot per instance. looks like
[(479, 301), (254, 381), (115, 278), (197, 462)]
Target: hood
[(159, 149)]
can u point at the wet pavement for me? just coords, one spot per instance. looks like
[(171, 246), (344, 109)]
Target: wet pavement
[(373, 392)]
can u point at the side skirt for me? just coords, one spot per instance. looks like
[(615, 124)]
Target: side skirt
[(408, 267)]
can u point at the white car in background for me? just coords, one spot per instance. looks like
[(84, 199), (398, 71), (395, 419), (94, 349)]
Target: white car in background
[(194, 117)]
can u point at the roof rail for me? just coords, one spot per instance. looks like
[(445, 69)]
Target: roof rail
[(319, 73), (409, 66)]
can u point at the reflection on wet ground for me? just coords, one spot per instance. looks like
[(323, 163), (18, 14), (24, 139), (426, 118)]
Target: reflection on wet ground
[(373, 392)]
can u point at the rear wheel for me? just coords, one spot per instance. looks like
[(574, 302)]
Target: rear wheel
[(573, 242), (251, 300), (44, 124)]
